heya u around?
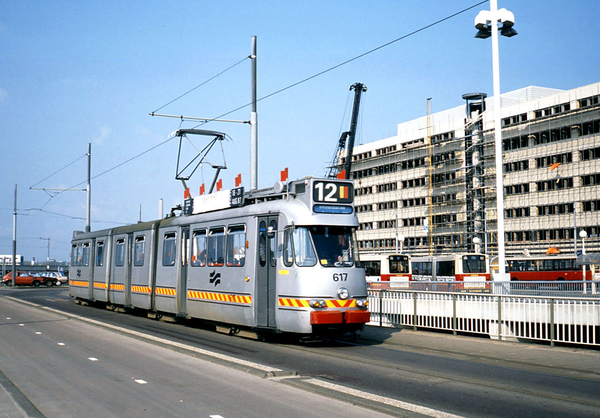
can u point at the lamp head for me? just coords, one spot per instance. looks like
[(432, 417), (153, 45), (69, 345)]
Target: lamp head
[(483, 33)]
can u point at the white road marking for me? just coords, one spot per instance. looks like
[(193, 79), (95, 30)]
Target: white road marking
[(215, 416), (381, 399), (251, 364), (38, 333)]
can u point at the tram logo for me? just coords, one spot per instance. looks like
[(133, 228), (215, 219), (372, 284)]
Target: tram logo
[(215, 278)]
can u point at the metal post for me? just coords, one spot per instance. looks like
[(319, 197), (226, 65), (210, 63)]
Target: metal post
[(498, 140), (89, 190), (253, 124), (454, 319), (552, 336), (14, 246), (415, 311), (499, 318)]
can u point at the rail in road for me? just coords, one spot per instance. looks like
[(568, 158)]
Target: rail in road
[(504, 311), (386, 370)]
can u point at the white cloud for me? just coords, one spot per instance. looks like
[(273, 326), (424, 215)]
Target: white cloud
[(104, 134)]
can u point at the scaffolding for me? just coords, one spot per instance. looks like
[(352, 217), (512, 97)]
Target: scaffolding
[(437, 190)]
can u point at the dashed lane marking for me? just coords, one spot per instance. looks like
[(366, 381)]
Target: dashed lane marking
[(163, 341)]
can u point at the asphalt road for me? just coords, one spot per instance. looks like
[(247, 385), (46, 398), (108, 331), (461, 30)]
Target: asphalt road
[(399, 372)]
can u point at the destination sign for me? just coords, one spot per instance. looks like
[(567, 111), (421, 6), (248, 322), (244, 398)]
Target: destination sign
[(333, 192), (219, 200)]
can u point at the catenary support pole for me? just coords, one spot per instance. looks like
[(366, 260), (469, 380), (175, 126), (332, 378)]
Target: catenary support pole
[(89, 190), (253, 124), (14, 246)]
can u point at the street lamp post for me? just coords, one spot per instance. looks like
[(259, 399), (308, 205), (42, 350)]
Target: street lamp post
[(487, 24), (583, 236)]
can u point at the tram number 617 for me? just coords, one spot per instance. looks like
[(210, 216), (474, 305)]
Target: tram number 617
[(340, 277)]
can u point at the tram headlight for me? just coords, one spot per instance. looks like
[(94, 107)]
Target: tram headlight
[(362, 303), (343, 293), (317, 303)]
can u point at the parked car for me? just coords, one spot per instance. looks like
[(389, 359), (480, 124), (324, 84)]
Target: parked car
[(22, 279), (53, 278)]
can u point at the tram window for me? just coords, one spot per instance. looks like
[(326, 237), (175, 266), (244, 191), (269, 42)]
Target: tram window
[(138, 252), (86, 255), (262, 243), (272, 244), (372, 268), (100, 253), (120, 253), (75, 255), (288, 249), (199, 248), (303, 249), (169, 250), (216, 247), (334, 245), (445, 268), (398, 264), (474, 264), (236, 246)]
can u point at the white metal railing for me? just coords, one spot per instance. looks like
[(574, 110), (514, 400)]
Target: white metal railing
[(501, 316)]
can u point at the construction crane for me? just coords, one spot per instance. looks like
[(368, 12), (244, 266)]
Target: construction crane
[(339, 166)]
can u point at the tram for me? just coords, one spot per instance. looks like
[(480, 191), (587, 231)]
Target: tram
[(472, 269), (385, 271), (546, 268), (281, 259)]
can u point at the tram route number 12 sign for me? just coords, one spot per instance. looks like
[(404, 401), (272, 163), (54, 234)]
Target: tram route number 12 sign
[(333, 192)]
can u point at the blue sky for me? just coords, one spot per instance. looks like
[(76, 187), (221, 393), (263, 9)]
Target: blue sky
[(79, 72)]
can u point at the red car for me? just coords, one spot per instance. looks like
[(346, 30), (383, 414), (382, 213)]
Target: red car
[(23, 279)]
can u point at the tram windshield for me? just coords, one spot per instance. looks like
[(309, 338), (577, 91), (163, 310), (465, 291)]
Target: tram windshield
[(474, 264), (334, 245)]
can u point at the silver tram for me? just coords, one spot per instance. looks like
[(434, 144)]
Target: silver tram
[(281, 259)]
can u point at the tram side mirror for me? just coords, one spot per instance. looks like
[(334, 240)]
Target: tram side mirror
[(270, 232)]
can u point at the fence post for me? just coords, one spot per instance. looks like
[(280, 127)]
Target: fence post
[(381, 307), (454, 320), (415, 311), (552, 336), (499, 324)]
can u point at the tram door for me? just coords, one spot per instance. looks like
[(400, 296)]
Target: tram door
[(267, 269), (128, 265), (183, 272)]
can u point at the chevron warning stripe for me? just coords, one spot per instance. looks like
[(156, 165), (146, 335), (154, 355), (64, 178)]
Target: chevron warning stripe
[(165, 291), (221, 297), (140, 289), (78, 283), (303, 303)]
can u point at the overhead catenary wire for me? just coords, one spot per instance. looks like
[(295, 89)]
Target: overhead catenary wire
[(201, 84), (437, 22)]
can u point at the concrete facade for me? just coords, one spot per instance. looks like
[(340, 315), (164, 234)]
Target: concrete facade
[(433, 184)]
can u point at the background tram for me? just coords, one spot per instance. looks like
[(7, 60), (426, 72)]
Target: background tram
[(472, 269), (546, 268), (385, 271), (268, 260)]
